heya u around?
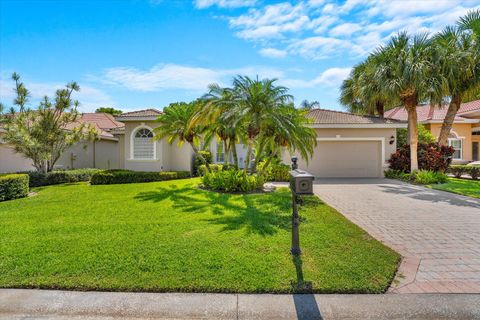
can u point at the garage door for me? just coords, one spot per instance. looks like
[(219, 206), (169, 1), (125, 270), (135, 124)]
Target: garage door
[(346, 159)]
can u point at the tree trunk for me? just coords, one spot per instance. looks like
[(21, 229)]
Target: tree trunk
[(248, 156), (449, 118), (257, 156), (226, 154), (411, 108), (233, 146), (195, 150), (380, 108)]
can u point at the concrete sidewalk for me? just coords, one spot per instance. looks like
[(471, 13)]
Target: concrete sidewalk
[(51, 304)]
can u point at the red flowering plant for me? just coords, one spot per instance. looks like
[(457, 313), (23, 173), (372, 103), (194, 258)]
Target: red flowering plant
[(431, 156)]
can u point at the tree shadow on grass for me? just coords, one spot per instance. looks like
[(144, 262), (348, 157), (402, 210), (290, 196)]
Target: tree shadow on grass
[(261, 214)]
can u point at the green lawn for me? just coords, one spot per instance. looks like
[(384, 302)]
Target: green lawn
[(173, 236), (465, 187)]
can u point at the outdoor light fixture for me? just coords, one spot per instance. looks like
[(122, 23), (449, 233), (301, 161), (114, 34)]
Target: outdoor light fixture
[(392, 139), (301, 183)]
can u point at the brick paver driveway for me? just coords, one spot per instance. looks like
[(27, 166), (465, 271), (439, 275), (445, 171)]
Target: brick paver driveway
[(437, 233)]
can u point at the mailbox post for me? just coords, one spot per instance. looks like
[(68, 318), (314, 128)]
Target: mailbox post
[(301, 183)]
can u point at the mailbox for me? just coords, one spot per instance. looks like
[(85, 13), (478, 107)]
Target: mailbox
[(301, 182)]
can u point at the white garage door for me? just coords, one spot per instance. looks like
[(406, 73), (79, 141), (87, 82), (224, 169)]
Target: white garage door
[(346, 159)]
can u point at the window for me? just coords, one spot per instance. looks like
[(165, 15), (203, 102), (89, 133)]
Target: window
[(220, 152), (457, 145), (143, 145)]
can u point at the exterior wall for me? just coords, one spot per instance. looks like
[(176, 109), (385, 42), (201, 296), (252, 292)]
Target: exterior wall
[(374, 139), (10, 161), (82, 155), (121, 151), (241, 153), (167, 157), (464, 131)]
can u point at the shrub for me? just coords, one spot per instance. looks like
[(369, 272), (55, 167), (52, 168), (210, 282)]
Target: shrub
[(429, 177), (202, 169), (38, 179), (424, 136), (431, 157), (13, 186), (275, 171), (126, 176), (197, 162), (232, 181), (420, 176), (459, 170)]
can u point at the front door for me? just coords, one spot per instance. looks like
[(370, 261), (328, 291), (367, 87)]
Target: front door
[(475, 151)]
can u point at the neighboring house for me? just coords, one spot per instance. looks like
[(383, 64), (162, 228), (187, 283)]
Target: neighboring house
[(350, 145), (101, 154), (465, 133)]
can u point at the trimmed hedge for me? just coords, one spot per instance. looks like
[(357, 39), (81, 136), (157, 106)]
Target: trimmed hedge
[(13, 186), (232, 181), (38, 179), (127, 176), (420, 176), (459, 170)]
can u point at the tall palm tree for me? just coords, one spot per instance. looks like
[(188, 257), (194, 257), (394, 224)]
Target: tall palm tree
[(471, 22), (361, 92), (405, 70), (177, 124), (459, 64), (256, 104)]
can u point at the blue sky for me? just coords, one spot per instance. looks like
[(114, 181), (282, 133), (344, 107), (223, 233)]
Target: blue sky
[(137, 54)]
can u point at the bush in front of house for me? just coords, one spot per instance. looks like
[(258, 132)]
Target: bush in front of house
[(419, 176), (202, 169), (459, 170), (127, 176), (13, 186), (276, 171), (431, 157), (232, 181), (38, 179), (197, 162)]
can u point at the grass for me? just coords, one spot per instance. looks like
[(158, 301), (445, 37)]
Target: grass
[(173, 236), (464, 187)]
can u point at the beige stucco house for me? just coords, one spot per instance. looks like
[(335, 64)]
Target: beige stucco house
[(465, 133), (348, 145), (102, 153)]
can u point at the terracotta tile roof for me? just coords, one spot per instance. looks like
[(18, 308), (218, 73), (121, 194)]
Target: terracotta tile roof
[(428, 112), (140, 114), (323, 116), (102, 120)]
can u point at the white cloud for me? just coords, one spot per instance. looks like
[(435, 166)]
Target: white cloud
[(203, 4), (89, 97), (331, 78), (172, 76), (354, 27), (273, 53)]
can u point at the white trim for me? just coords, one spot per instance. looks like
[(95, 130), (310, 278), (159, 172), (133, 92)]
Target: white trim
[(132, 134), (358, 125), (461, 139), (380, 139), (455, 121)]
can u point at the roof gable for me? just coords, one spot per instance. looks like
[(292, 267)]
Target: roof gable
[(332, 117)]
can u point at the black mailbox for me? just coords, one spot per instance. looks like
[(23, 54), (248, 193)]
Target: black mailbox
[(301, 182)]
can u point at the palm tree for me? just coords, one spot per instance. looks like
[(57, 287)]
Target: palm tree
[(257, 103), (309, 105), (459, 64), (405, 70), (177, 124), (471, 22), (219, 121), (361, 92)]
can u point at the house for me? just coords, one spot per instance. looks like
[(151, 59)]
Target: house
[(348, 145), (465, 133), (101, 154)]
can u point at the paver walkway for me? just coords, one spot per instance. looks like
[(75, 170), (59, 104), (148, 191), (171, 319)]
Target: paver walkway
[(436, 232)]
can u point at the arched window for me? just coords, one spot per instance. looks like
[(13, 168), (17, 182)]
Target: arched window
[(455, 142), (143, 145)]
